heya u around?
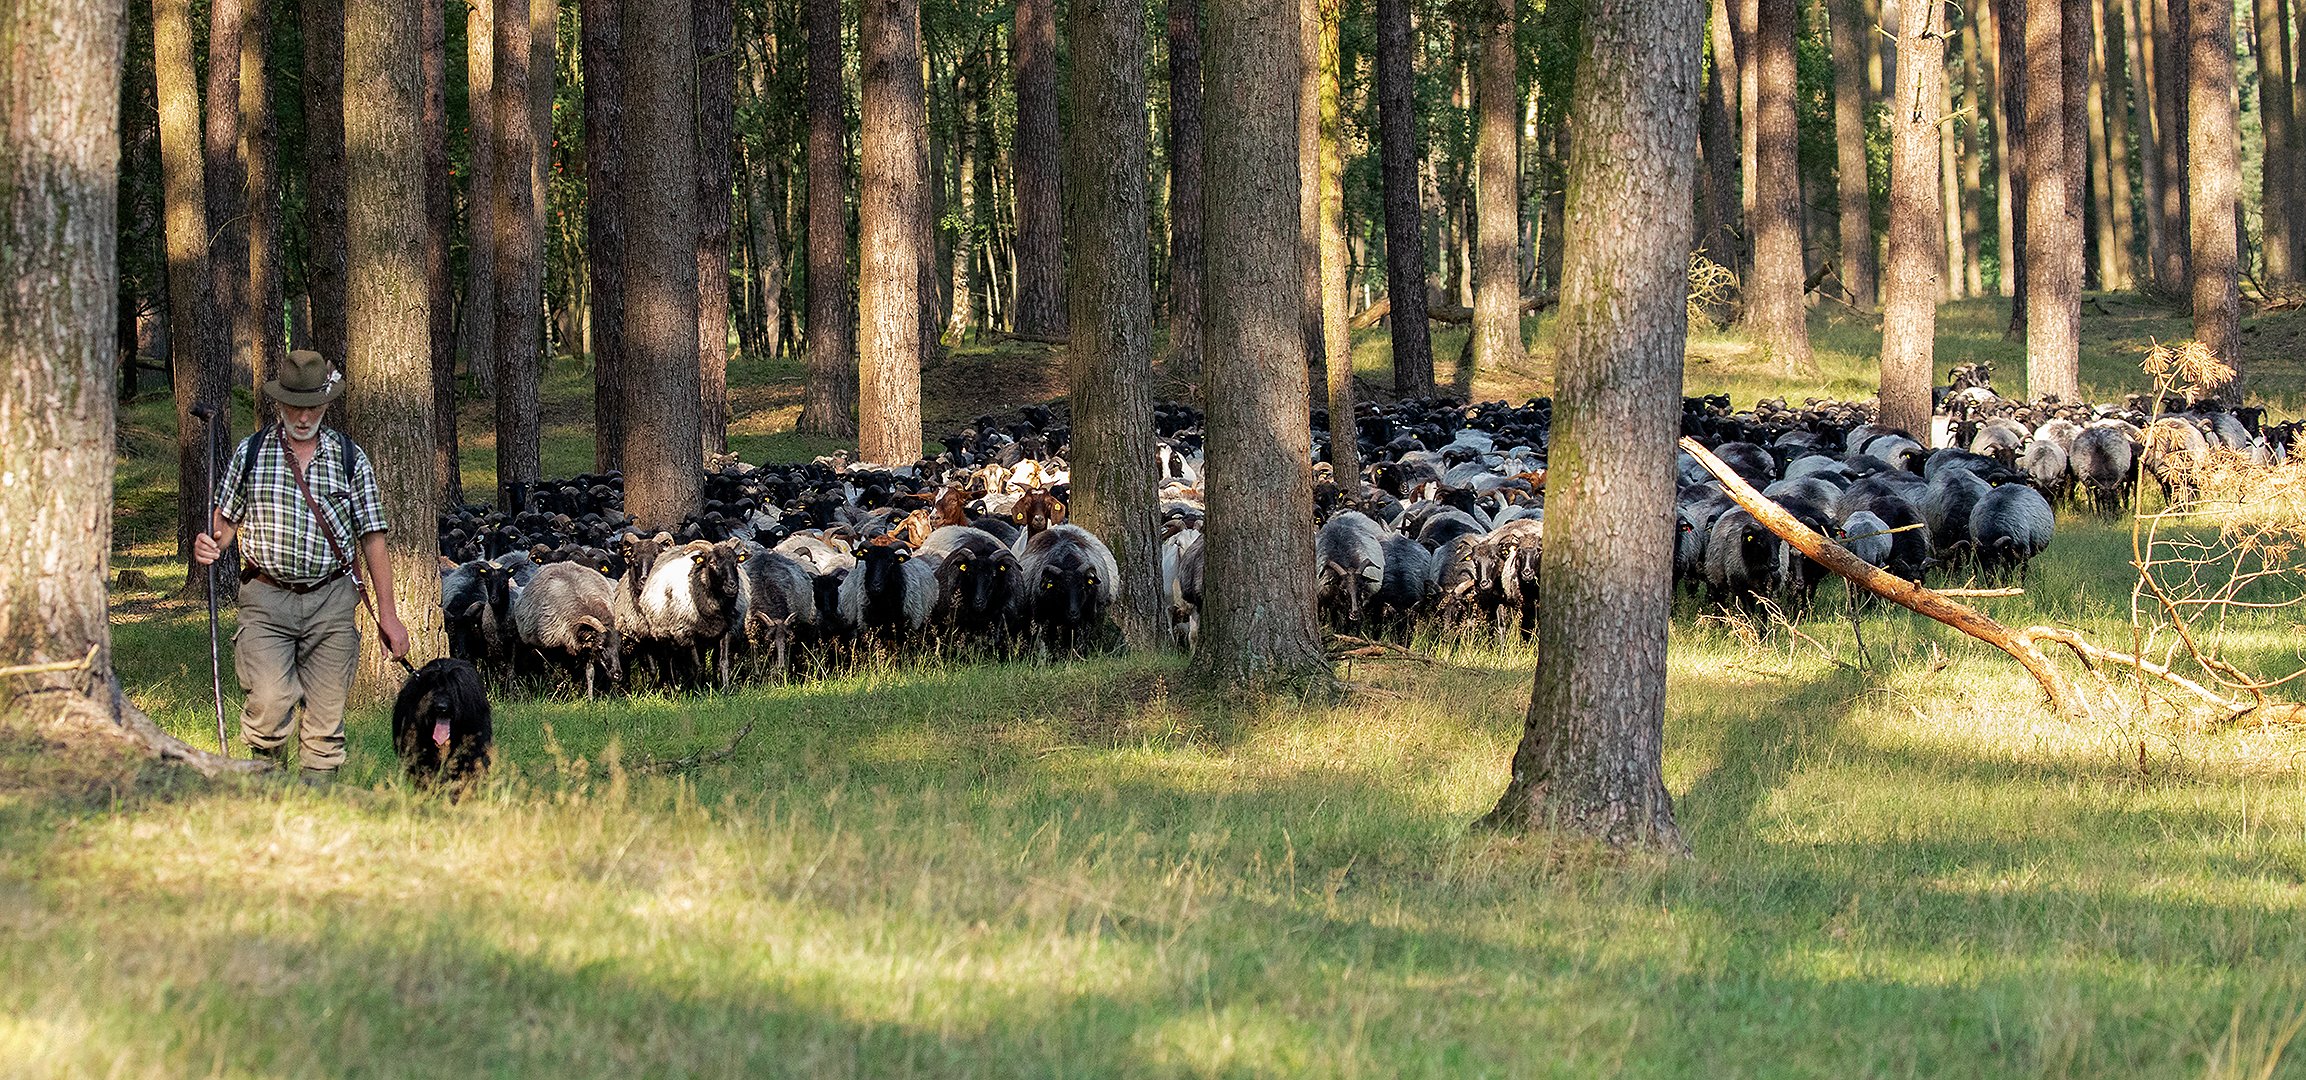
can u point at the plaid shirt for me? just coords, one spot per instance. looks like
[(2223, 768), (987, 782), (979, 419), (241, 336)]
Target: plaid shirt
[(277, 532)]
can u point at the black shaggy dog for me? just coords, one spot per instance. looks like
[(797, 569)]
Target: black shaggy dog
[(440, 724)]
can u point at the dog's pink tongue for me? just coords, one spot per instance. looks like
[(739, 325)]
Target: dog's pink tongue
[(440, 733)]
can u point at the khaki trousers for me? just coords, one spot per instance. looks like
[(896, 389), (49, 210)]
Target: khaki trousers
[(296, 650)]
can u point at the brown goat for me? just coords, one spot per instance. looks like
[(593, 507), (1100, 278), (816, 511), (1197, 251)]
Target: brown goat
[(1038, 511), (952, 508)]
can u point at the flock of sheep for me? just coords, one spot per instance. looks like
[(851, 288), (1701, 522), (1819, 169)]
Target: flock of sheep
[(971, 547)]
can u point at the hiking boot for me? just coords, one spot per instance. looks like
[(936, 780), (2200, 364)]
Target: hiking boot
[(280, 756), (319, 778)]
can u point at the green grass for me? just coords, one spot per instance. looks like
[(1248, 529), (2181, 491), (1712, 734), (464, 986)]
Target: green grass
[(1902, 866)]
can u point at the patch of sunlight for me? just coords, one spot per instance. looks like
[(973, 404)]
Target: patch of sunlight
[(903, 746), (1244, 1040)]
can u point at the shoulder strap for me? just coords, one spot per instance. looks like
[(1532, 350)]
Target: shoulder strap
[(248, 456), (344, 452)]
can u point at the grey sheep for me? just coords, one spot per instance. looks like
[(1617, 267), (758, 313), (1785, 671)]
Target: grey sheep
[(1349, 566), (2175, 450), (1182, 562), (2011, 525), (2105, 465), (779, 600), (1066, 582), (2044, 464), (567, 613), (890, 591)]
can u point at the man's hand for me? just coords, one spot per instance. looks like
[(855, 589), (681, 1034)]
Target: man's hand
[(395, 635), (205, 549)]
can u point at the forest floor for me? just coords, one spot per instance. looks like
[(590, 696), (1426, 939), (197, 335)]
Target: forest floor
[(1902, 863)]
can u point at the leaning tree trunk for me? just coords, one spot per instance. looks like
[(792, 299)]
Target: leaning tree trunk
[(388, 370), (888, 233), (829, 391), (1911, 288), (324, 172), (1590, 759), (518, 450), (2213, 184), (2053, 288), (202, 371), (1774, 293), (1040, 311), (1404, 219), (439, 222), (59, 152), (1185, 132), (1336, 301), (663, 450), (1497, 191), (1109, 362), (1258, 626), (1855, 214), (716, 121), (480, 199), (261, 312), (598, 22)]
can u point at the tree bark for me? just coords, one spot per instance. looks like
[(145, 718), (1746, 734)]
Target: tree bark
[(600, 23), (1309, 188), (2000, 52), (1185, 188), (2101, 180), (439, 221), (202, 372), (518, 450), (2166, 85), (1109, 363), (1258, 625), (1040, 214), (964, 298), (2074, 69), (1718, 139), (832, 352), (1980, 97), (1497, 217), (716, 119), (761, 182), (261, 317), (1855, 201), (1949, 181), (663, 451), (2053, 291), (1404, 220), (1336, 303), (2150, 136), (227, 179), (2112, 59), (1590, 758), (59, 149), (2276, 111), (1774, 305), (480, 201), (544, 48), (2214, 185), (1910, 288), (888, 232), (388, 370)]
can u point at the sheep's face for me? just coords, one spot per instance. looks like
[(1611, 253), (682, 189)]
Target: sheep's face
[(1345, 589), (884, 568), (1068, 594), (985, 582), (715, 574)]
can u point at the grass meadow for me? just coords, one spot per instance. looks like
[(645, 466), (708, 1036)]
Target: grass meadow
[(1903, 864)]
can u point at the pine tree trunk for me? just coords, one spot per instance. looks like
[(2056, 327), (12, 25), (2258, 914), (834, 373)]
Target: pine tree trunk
[(761, 216), (1748, 16), (2001, 46), (2167, 84), (2112, 60), (1979, 98), (261, 314), (1910, 286), (1109, 364), (1856, 216), (716, 120), (663, 451), (1404, 219), (439, 220), (1497, 273), (2053, 284), (1949, 188), (1774, 294), (888, 228), (544, 47), (1258, 625), (2100, 222), (480, 202), (227, 179), (388, 370), (2150, 136), (2277, 112), (1336, 304), (600, 23), (1718, 139), (518, 450), (1590, 758), (1185, 207), (324, 173), (1309, 188), (202, 371), (832, 353), (963, 312), (2214, 185), (1040, 213)]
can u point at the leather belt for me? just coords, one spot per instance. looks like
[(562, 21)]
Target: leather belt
[(251, 573)]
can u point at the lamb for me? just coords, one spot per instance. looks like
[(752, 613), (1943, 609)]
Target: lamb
[(2011, 525), (1066, 580), (566, 613)]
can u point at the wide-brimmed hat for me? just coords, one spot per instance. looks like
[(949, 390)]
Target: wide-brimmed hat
[(305, 381)]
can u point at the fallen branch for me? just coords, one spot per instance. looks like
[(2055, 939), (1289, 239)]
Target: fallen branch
[(2093, 653), (683, 764), (1983, 593), (1889, 586)]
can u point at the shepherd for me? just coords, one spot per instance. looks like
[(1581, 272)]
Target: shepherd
[(290, 495)]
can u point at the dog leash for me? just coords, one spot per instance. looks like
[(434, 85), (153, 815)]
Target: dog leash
[(329, 534)]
